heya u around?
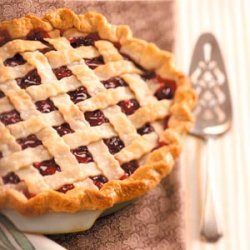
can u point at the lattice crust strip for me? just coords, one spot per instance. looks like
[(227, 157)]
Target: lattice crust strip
[(80, 107)]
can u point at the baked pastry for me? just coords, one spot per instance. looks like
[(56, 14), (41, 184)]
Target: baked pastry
[(89, 115)]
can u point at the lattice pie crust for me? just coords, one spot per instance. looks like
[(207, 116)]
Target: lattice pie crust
[(89, 115)]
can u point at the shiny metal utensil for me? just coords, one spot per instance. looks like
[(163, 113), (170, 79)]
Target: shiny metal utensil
[(213, 118)]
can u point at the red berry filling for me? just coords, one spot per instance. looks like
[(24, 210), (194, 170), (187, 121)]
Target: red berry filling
[(114, 83), (45, 50), (62, 72), (1, 94), (160, 144), (129, 168), (82, 154), (129, 106), (4, 37), (146, 129), (95, 118), (48, 167), (28, 194), (117, 45), (88, 40), (37, 35), (30, 141), (65, 188), (45, 106), (99, 180), (17, 59), (63, 129), (148, 75), (165, 122), (94, 62), (10, 117), (166, 90), (115, 144), (79, 94), (32, 78), (11, 178)]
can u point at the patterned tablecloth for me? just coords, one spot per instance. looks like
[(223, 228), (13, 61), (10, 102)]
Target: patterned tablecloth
[(154, 221)]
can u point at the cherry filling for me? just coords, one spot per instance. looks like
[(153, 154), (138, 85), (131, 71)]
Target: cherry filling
[(117, 45), (45, 50), (62, 72), (160, 144), (4, 37), (28, 194), (94, 62), (79, 94), (129, 168), (1, 94), (17, 59), (11, 178), (146, 129), (148, 75), (84, 41), (48, 167), (82, 154), (95, 118), (165, 122), (166, 90), (115, 144), (65, 188), (32, 78), (63, 129), (37, 35), (45, 106), (99, 180), (129, 106), (10, 117), (30, 141), (114, 83)]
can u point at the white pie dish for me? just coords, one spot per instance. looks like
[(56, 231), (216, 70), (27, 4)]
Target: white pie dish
[(59, 223)]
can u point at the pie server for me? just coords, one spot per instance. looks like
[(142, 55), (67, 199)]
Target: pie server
[(213, 118)]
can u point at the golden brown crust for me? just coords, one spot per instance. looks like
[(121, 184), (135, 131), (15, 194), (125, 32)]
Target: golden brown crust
[(159, 163)]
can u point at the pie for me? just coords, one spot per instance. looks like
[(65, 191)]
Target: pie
[(89, 115)]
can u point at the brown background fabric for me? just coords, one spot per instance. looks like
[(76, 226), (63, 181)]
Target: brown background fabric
[(154, 221), (149, 20)]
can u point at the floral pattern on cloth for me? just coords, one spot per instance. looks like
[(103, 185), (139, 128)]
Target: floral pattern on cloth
[(155, 221), (150, 20)]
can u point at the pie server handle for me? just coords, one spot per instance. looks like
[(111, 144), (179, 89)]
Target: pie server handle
[(210, 225)]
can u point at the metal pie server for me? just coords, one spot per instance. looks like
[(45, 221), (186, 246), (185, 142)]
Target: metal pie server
[(213, 118)]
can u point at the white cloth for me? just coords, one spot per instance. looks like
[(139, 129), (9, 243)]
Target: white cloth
[(229, 20)]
